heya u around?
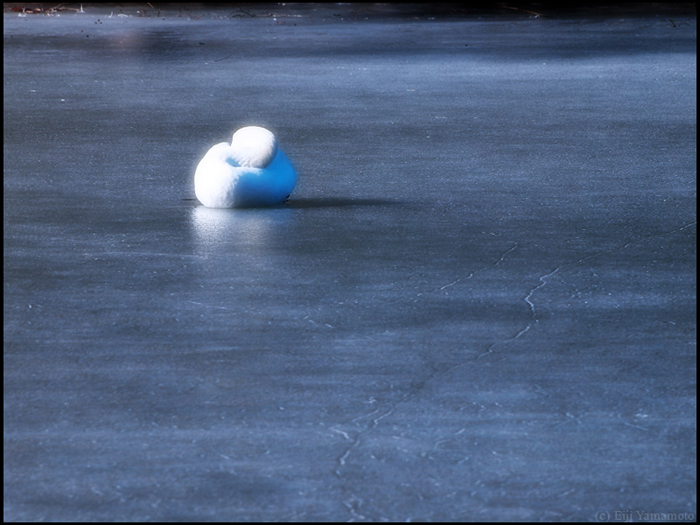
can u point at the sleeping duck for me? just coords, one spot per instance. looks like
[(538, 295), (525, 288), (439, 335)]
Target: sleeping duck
[(251, 171)]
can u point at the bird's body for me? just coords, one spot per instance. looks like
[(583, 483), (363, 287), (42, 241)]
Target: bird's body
[(251, 171)]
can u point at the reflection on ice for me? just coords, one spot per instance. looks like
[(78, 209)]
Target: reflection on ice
[(216, 228)]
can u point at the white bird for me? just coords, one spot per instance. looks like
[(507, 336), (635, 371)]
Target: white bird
[(251, 171)]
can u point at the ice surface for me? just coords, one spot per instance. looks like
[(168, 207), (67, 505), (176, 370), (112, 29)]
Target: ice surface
[(479, 303)]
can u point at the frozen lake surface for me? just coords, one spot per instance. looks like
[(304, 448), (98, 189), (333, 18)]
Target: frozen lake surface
[(479, 303)]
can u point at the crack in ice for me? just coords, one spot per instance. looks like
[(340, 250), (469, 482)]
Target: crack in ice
[(480, 269), (342, 460), (490, 348), (543, 281), (504, 255)]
